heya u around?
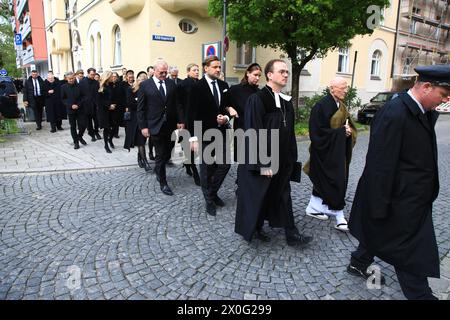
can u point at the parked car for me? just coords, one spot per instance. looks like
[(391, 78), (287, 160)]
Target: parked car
[(8, 98), (368, 111)]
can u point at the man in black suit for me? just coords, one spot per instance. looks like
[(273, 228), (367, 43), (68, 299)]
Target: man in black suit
[(71, 96), (157, 117), (208, 101), (33, 97), (89, 88)]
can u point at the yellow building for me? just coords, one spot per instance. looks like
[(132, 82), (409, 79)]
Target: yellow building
[(111, 34)]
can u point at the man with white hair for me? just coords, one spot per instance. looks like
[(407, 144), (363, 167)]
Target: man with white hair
[(158, 117), (333, 136), (174, 75)]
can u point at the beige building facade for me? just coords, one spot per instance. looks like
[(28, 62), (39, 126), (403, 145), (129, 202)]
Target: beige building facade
[(112, 34)]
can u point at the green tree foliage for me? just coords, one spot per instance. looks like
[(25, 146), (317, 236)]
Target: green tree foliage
[(7, 51), (304, 29)]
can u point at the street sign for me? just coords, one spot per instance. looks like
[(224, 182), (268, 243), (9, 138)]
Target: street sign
[(163, 38), (211, 49), (226, 44), (3, 72), (18, 39)]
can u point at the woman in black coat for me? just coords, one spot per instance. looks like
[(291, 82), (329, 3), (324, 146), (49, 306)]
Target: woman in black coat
[(54, 109), (133, 135), (240, 94), (107, 111)]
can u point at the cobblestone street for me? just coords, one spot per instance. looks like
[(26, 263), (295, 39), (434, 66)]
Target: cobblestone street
[(101, 229)]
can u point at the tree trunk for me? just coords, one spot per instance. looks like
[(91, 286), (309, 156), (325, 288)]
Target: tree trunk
[(296, 70)]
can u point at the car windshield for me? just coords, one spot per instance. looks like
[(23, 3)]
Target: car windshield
[(382, 97)]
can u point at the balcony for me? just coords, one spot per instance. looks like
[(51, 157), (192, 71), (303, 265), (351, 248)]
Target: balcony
[(28, 55), (199, 7), (127, 8), (25, 28), (20, 6)]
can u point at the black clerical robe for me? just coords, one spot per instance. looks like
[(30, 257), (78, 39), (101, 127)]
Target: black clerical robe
[(330, 152), (260, 196)]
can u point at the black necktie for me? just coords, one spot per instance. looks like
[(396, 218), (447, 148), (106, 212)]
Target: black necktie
[(161, 89), (215, 93)]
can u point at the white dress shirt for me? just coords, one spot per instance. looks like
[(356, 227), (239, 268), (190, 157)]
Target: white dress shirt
[(418, 103), (158, 84), (209, 80)]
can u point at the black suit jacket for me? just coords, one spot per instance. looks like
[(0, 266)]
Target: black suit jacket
[(70, 95), (202, 106), (28, 91), (153, 111)]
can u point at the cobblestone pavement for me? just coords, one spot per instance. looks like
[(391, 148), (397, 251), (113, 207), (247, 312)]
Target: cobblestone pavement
[(110, 234)]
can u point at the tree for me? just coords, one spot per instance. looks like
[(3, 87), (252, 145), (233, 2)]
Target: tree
[(7, 51), (304, 29)]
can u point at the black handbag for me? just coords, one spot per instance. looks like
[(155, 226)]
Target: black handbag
[(126, 116)]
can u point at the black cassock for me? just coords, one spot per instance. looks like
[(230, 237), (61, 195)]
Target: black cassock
[(257, 194), (391, 214)]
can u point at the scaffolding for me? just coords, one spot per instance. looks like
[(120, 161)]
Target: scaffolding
[(432, 19)]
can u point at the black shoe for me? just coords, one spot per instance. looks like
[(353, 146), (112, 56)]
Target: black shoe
[(218, 202), (76, 145), (39, 128), (93, 139), (298, 240), (60, 128), (151, 156), (82, 141), (146, 165), (108, 150), (53, 130), (166, 190), (261, 235), (98, 136), (111, 143), (170, 163), (355, 271), (211, 209), (188, 169)]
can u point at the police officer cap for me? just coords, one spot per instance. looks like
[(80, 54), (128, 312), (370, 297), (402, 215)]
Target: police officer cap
[(438, 75)]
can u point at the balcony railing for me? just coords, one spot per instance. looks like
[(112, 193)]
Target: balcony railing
[(20, 6), (28, 55)]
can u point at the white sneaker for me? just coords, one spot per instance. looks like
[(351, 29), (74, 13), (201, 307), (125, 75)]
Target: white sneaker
[(317, 215), (342, 227)]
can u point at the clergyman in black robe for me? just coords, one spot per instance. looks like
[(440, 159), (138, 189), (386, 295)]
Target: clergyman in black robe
[(333, 135), (264, 194)]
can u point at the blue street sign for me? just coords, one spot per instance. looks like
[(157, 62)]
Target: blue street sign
[(163, 38), (18, 39), (3, 72)]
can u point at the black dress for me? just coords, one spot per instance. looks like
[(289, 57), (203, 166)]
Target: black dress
[(133, 135), (106, 118), (239, 96)]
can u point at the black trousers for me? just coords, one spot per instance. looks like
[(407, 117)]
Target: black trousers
[(163, 150), (92, 124), (414, 287), (213, 175), (77, 121), (38, 109)]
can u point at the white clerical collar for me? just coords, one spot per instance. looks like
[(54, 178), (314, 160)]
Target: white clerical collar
[(418, 103)]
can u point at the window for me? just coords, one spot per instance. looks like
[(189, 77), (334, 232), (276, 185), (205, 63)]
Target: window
[(407, 66), (188, 26), (245, 54), (117, 47), (92, 47), (343, 64), (99, 52), (416, 10), (376, 61)]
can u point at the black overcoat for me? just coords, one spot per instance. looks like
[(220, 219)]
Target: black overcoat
[(54, 108)]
